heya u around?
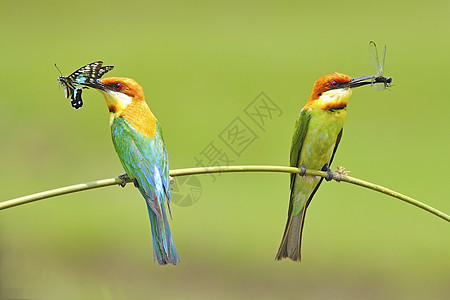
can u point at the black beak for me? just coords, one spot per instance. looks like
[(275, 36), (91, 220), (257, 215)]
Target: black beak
[(97, 85), (364, 80)]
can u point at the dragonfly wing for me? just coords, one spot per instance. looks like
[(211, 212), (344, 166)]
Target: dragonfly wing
[(380, 72), (373, 55), (377, 65)]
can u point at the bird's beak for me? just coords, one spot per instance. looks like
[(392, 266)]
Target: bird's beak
[(97, 85), (364, 80)]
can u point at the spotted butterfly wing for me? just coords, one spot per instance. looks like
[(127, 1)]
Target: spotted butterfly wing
[(81, 79), (104, 70), (76, 100)]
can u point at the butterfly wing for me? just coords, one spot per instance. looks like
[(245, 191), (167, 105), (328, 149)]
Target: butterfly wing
[(76, 100), (84, 76), (104, 70), (87, 74)]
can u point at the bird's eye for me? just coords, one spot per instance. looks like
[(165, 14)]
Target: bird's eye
[(334, 84), (118, 86)]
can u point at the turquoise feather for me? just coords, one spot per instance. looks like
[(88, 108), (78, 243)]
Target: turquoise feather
[(145, 160)]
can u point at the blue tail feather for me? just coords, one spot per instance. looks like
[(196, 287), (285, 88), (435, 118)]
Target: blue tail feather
[(164, 250)]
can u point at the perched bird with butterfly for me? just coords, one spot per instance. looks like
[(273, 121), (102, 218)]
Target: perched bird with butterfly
[(138, 140), (83, 76)]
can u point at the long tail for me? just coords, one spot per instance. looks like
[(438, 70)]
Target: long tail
[(292, 238), (163, 246)]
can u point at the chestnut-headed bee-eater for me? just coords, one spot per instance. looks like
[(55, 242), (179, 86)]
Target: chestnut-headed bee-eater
[(317, 134), (138, 140)]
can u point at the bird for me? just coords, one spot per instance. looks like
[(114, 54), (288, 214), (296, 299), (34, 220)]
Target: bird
[(138, 140), (318, 131)]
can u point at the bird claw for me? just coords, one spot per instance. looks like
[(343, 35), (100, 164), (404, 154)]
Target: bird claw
[(327, 169), (136, 183), (124, 177), (302, 170)]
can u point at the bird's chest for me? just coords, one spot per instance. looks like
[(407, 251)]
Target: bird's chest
[(320, 139)]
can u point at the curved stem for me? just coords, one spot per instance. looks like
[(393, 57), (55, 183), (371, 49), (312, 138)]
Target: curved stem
[(60, 191), (337, 176)]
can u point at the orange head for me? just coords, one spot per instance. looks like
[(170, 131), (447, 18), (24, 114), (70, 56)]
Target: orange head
[(326, 83), (127, 86), (125, 98), (332, 91), (120, 92)]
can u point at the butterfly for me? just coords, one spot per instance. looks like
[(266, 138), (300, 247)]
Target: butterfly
[(83, 76)]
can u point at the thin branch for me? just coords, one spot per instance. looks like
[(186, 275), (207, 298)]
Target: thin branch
[(60, 191), (337, 176)]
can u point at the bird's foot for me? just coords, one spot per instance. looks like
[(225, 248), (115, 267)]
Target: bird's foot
[(124, 177), (327, 169), (136, 183), (302, 170)]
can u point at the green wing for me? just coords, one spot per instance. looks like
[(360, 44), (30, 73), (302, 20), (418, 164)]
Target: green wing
[(145, 159), (301, 128)]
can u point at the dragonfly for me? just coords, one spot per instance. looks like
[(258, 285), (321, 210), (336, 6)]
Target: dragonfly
[(81, 79), (378, 66)]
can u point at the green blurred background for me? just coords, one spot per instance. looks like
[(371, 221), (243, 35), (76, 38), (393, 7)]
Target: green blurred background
[(201, 63)]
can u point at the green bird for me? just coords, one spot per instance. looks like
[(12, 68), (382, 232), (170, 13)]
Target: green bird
[(138, 140), (317, 134)]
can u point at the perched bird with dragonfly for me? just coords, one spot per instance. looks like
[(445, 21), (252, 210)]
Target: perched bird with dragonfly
[(317, 134)]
